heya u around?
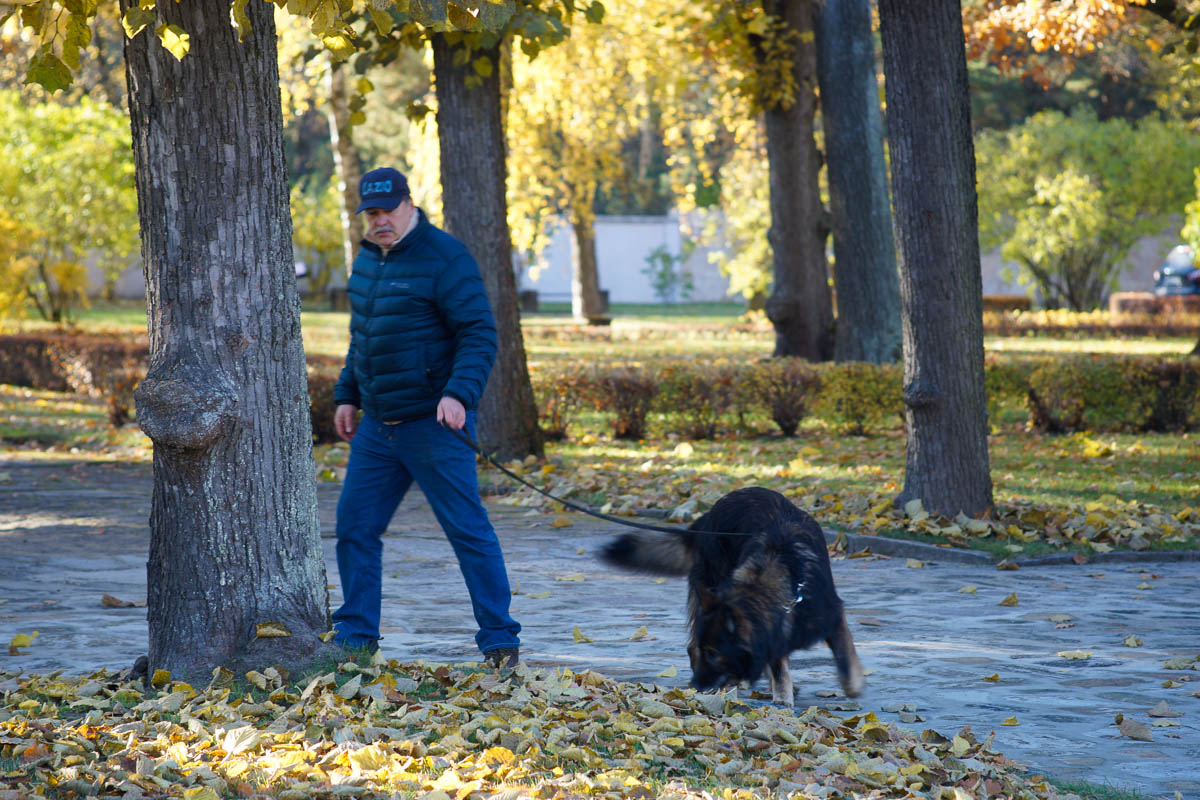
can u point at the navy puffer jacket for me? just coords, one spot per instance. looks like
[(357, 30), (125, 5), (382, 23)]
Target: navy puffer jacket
[(420, 327)]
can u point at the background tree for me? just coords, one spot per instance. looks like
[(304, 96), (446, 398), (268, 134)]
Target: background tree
[(66, 180), (868, 289), (933, 185), (1066, 197), (565, 145)]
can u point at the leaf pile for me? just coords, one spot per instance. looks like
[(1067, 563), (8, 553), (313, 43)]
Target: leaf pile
[(660, 484), (459, 732)]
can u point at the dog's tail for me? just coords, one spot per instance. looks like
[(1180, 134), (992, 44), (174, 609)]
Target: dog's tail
[(656, 553)]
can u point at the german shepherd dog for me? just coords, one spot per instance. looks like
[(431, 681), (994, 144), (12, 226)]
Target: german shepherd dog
[(752, 599)]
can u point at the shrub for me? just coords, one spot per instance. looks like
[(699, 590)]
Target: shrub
[(1092, 393), (786, 387), (699, 393), (559, 393), (629, 392), (321, 381), (859, 396)]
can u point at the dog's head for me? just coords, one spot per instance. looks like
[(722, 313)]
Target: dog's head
[(722, 646)]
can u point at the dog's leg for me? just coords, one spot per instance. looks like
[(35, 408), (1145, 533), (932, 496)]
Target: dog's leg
[(781, 682), (849, 670)]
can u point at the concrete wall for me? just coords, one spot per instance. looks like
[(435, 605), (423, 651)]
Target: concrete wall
[(622, 245)]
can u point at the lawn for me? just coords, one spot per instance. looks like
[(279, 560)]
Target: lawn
[(1081, 493)]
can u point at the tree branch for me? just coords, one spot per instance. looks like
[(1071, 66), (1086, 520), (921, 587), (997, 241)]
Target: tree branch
[(1173, 12)]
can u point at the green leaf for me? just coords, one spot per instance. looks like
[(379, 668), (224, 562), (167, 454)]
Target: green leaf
[(49, 71), (135, 20), (363, 86), (339, 46), (241, 19), (358, 118), (483, 66), (175, 40), (383, 20), (594, 13)]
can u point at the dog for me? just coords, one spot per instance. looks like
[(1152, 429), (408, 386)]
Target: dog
[(752, 599)]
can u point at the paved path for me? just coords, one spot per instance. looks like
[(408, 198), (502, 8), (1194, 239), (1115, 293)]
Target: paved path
[(71, 533)]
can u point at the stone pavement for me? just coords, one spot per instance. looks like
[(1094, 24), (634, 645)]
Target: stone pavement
[(71, 533)]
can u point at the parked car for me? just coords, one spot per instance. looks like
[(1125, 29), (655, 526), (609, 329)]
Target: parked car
[(1178, 274)]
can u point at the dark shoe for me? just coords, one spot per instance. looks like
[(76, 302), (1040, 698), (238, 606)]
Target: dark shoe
[(502, 657)]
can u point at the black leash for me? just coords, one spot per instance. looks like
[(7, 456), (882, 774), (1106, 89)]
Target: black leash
[(584, 509)]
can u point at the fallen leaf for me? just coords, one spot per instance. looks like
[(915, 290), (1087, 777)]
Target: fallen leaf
[(1010, 721), (579, 637), (1008, 564), (538, 595), (1164, 710), (160, 678), (1060, 618), (21, 640), (913, 563), (111, 602), (1133, 729), (571, 576), (1011, 600), (1183, 662), (993, 678), (561, 521), (271, 630), (669, 672), (968, 589), (639, 634), (1075, 654), (1132, 640)]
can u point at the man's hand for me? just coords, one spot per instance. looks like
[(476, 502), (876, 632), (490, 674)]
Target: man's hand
[(451, 413), (345, 421)]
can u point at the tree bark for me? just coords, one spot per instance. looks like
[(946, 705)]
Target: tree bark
[(471, 140), (799, 307), (585, 277), (234, 533), (347, 168), (933, 179), (864, 275)]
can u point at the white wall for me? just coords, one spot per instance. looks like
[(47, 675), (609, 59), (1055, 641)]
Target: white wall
[(622, 244)]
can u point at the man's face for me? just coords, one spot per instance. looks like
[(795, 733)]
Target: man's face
[(385, 228)]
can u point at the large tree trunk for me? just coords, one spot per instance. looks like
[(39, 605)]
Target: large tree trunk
[(585, 277), (799, 307), (864, 275), (347, 169), (933, 180), (471, 139), (234, 534)]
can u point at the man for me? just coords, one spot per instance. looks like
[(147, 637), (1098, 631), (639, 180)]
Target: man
[(422, 341)]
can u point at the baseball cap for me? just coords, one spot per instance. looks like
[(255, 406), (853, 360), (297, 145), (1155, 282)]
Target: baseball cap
[(383, 188)]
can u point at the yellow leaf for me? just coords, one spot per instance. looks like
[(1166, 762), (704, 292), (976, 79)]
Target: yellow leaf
[(175, 40), (993, 678), (968, 589), (271, 630), (579, 637), (959, 746), (1011, 600), (639, 634), (1010, 721), (571, 576), (669, 672), (21, 640), (161, 678), (326, 636), (1078, 655), (913, 563), (1132, 640), (200, 793), (538, 595), (561, 521)]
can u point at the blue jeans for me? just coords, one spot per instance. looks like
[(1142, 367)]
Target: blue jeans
[(384, 461)]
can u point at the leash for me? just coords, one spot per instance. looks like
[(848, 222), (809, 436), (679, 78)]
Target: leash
[(469, 442)]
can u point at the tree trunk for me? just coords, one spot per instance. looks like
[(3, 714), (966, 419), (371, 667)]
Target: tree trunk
[(864, 275), (799, 307), (585, 278), (471, 139), (234, 533), (941, 294), (346, 166)]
